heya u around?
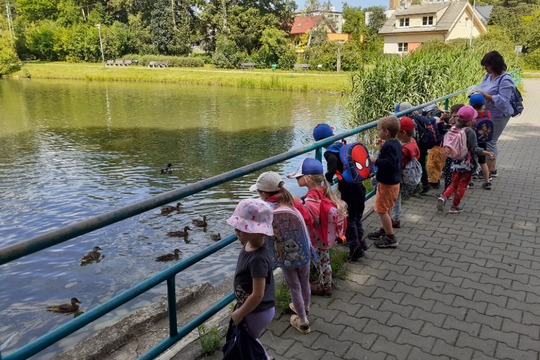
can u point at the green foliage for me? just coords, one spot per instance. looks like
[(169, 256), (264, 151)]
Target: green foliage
[(325, 55), (283, 297), (34, 10), (532, 60), (276, 49), (209, 339), (354, 22), (339, 255), (377, 18), (227, 54), (172, 61), (9, 62), (43, 41)]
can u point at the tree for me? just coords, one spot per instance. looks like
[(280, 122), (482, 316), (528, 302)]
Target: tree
[(276, 49), (8, 57), (171, 27), (34, 10), (354, 22), (377, 18)]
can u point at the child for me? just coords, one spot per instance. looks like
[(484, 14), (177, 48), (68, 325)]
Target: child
[(477, 101), (462, 169), (451, 121), (291, 243), (310, 175), (253, 279), (353, 194), (409, 150), (436, 156), (388, 178)]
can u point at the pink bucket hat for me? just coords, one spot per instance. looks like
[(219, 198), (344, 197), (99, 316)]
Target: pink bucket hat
[(253, 216), (467, 113)]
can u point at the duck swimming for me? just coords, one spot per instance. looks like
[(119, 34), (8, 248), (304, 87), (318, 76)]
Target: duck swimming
[(65, 308), (91, 256), (200, 223), (170, 257), (167, 170), (216, 237), (167, 209), (179, 233)]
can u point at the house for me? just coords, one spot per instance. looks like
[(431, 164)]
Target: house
[(302, 25), (408, 28)]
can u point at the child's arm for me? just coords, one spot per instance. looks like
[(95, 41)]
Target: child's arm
[(252, 300), (331, 166)]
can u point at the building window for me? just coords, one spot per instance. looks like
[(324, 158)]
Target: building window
[(404, 22), (427, 20), (403, 47)]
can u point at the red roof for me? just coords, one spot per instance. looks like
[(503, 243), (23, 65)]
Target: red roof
[(303, 24)]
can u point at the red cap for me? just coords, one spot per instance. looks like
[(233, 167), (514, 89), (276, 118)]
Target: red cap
[(406, 124)]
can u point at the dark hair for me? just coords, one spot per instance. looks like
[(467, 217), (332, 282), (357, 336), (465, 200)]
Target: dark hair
[(454, 109), (495, 61)]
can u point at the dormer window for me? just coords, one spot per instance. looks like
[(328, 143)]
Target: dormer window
[(404, 22), (427, 20)]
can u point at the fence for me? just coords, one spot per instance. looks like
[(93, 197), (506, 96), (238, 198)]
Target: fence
[(43, 241)]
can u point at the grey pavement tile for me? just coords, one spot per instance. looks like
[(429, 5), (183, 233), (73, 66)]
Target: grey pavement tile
[(486, 346), (509, 338), (452, 323), (505, 352), (455, 352), (399, 351)]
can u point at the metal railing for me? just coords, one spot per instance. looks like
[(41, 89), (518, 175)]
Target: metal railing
[(46, 240)]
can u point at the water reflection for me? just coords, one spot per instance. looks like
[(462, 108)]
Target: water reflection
[(69, 150)]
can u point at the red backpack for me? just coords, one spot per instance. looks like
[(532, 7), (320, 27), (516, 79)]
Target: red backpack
[(331, 225)]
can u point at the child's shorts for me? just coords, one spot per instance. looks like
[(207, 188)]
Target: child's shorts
[(482, 158), (386, 197)]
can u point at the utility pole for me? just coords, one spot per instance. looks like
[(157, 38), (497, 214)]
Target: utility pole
[(10, 21), (472, 23)]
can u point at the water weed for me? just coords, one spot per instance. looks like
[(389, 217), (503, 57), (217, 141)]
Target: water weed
[(209, 339)]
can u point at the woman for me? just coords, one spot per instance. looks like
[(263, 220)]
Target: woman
[(496, 87)]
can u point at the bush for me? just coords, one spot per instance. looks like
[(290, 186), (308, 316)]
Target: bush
[(209, 339), (9, 62), (173, 61), (227, 54), (532, 60)]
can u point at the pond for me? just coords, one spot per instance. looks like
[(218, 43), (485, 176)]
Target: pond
[(74, 149)]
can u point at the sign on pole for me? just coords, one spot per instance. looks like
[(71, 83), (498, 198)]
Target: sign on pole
[(519, 49)]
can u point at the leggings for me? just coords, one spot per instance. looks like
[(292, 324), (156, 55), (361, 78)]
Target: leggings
[(459, 183), (297, 280), (257, 322), (324, 267)]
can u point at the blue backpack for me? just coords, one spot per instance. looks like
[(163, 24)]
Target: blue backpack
[(484, 130), (355, 159)]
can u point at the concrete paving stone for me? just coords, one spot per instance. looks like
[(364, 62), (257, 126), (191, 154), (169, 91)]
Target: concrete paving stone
[(530, 330), (276, 345), (499, 265), (447, 298), (486, 346), (413, 326), (526, 343), (488, 256), (358, 353), (442, 308), (297, 351), (427, 305), (330, 356), (359, 338), (521, 290), (466, 275), (518, 269), (454, 352), (423, 274), (532, 298), (279, 325), (486, 279), (452, 323), (389, 306), (520, 262), (533, 281), (470, 304), (326, 313), (451, 254), (380, 274), (475, 317), (513, 310), (323, 327), (481, 296), (424, 283), (472, 260), (306, 340), (509, 338), (423, 342), (496, 248), (444, 269), (374, 314), (465, 292), (342, 306), (474, 268), (522, 278), (429, 259), (400, 269), (505, 352), (418, 249), (468, 284), (464, 266), (400, 278), (478, 355), (399, 351), (366, 300), (359, 279), (381, 283), (336, 346), (343, 293), (388, 332), (417, 353), (456, 281), (403, 289), (356, 323)]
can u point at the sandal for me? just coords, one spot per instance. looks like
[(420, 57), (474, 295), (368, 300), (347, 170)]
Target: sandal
[(302, 327)]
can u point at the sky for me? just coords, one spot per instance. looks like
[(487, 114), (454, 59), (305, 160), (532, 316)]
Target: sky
[(338, 4)]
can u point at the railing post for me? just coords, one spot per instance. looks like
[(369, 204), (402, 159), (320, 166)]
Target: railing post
[(446, 104), (171, 300), (318, 154)]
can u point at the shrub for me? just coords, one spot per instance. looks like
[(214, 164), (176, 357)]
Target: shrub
[(9, 62), (532, 60), (173, 61), (227, 54), (209, 339)]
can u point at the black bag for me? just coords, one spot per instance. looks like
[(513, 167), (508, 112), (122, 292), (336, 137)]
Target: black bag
[(240, 345), (426, 136)]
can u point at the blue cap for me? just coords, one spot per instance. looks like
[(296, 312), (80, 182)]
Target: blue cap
[(309, 166), (476, 99), (322, 131)]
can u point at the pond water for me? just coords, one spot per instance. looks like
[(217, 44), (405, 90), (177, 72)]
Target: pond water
[(73, 149)]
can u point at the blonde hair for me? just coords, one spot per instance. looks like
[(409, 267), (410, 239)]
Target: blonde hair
[(320, 181), (286, 197)]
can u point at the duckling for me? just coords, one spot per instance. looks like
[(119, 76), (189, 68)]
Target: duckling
[(216, 237), (183, 234), (65, 308), (167, 209), (200, 223), (170, 257), (91, 256), (167, 170)]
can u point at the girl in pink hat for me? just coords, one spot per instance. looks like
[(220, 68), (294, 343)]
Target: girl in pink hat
[(253, 280)]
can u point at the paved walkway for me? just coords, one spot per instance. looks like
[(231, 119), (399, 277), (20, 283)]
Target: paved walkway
[(463, 286)]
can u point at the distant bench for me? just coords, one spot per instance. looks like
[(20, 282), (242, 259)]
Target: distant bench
[(301, 66), (244, 66), (155, 64)]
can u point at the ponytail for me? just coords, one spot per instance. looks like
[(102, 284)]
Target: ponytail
[(320, 180), (286, 197)]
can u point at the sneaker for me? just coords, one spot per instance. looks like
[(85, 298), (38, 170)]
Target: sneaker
[(291, 306), (486, 186), (455, 209), (298, 325), (440, 203), (493, 174), (396, 224), (478, 176), (470, 186), (321, 290), (436, 185), (364, 245), (377, 234), (425, 189), (356, 253), (386, 242)]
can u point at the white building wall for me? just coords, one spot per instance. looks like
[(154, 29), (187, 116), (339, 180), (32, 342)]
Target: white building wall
[(391, 41)]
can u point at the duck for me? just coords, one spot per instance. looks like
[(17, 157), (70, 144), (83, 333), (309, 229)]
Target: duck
[(179, 233), (91, 256), (170, 257), (65, 308), (216, 237), (167, 170), (167, 209), (200, 223)]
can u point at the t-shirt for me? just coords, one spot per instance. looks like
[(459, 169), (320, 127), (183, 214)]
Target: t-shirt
[(253, 264), (408, 151), (389, 163)]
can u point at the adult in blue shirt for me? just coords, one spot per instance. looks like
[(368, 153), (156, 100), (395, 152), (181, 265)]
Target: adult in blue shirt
[(496, 87)]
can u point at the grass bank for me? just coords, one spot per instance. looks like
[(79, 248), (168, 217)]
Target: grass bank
[(253, 79)]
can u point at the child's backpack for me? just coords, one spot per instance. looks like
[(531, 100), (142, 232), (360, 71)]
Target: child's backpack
[(484, 130), (425, 136), (332, 224), (411, 176), (516, 100), (455, 143), (356, 162), (291, 241)]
